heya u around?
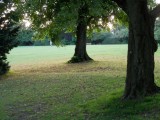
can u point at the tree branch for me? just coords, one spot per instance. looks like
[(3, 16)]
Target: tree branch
[(155, 12)]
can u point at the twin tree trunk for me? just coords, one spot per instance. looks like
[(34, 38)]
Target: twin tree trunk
[(80, 54), (141, 48)]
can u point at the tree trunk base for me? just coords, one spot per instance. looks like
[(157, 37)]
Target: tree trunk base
[(77, 59), (135, 94)]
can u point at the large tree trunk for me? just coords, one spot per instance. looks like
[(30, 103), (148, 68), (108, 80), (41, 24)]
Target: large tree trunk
[(80, 54), (141, 48), (80, 50)]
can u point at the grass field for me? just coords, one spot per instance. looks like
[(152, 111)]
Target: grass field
[(41, 86)]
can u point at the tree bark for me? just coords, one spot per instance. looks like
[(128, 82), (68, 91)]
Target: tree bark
[(80, 54), (141, 48), (80, 50)]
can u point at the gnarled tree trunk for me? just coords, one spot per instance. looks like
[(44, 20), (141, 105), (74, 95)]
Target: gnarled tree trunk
[(141, 48)]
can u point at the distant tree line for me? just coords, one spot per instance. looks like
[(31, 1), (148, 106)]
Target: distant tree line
[(25, 38), (118, 36)]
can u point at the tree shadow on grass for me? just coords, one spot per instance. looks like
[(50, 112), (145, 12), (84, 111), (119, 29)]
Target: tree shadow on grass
[(112, 107)]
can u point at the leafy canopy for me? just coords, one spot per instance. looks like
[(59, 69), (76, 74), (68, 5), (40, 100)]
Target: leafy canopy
[(51, 17)]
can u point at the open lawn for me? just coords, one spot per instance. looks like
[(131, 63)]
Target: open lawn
[(41, 86)]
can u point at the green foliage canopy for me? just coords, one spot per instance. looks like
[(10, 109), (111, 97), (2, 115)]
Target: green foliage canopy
[(51, 17), (8, 31)]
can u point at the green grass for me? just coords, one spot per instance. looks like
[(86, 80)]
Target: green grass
[(38, 54), (41, 86)]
